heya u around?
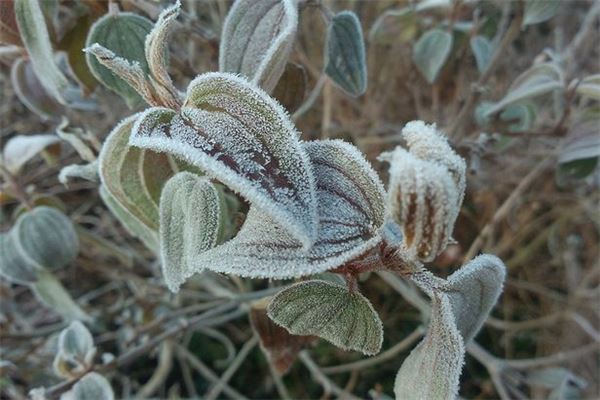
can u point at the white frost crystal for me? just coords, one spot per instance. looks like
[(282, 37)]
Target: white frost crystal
[(426, 189)]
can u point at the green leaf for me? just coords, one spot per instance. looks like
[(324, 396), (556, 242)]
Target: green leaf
[(191, 218), (581, 148), (92, 386), (257, 40), (237, 133), (20, 149), (577, 169), (75, 350), (433, 368), (124, 34), (14, 266), (431, 52), (46, 237), (522, 116), (394, 26), (482, 50), (350, 214), (473, 290), (590, 87), (345, 61), (52, 293), (34, 34), (537, 11), (346, 319)]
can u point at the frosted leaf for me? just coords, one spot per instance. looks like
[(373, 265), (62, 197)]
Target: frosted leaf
[(156, 49), (345, 53), (20, 149), (88, 172), (473, 290), (280, 346), (75, 350), (482, 49), (14, 266), (34, 34), (433, 368), (46, 237), (92, 386), (431, 51), (52, 293), (74, 136), (329, 311), (257, 39), (190, 220), (423, 201), (351, 211), (133, 225), (238, 134)]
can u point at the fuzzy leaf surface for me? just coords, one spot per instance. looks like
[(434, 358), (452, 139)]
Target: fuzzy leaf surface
[(351, 211), (431, 52), (22, 148), (331, 312), (482, 50), (345, 53), (238, 134), (14, 266), (257, 39), (53, 294)]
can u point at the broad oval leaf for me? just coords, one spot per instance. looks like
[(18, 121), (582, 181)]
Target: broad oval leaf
[(46, 237), (124, 34), (582, 139), (14, 266), (431, 52), (351, 213), (190, 221), (537, 11), (238, 134), (76, 342), (329, 311), (34, 34), (53, 294), (433, 368), (257, 39), (482, 50), (92, 386), (473, 290), (20, 149), (345, 53)]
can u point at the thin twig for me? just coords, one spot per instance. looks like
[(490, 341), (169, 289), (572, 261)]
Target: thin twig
[(317, 373)]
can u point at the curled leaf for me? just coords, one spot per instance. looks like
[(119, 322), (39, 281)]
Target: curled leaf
[(345, 53), (590, 87), (329, 311), (482, 50), (537, 11), (257, 39), (89, 172), (431, 52), (92, 386), (14, 266), (75, 350), (238, 134), (473, 290), (20, 149), (53, 294), (433, 368), (350, 212)]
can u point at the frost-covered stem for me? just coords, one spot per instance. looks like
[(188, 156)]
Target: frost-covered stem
[(428, 282), (389, 354), (207, 372), (467, 109), (233, 367), (328, 384)]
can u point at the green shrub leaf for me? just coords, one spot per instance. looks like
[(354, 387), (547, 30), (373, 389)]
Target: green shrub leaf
[(75, 350), (124, 35), (394, 26), (590, 87), (238, 134), (537, 11), (92, 386), (14, 266), (20, 149), (52, 293), (431, 52), (329, 311), (482, 50), (345, 53), (257, 40)]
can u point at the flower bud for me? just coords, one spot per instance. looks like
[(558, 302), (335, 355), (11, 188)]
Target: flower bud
[(425, 191)]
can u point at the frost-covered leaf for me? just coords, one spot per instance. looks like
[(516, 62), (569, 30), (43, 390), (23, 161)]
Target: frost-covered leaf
[(123, 34), (9, 31), (89, 172), (34, 34), (431, 52), (536, 81), (74, 136), (280, 346), (537, 11), (14, 266), (133, 225), (238, 134), (22, 148), (329, 311), (257, 39), (394, 26), (590, 87), (433, 368), (191, 215), (351, 211), (345, 61), (482, 49), (92, 386), (291, 88), (30, 91), (75, 350), (52, 293), (46, 237), (473, 290)]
